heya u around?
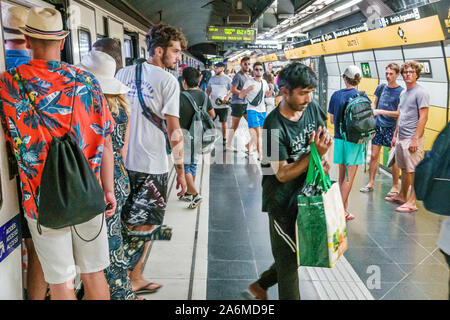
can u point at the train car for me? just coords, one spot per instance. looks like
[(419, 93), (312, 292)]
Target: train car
[(88, 21)]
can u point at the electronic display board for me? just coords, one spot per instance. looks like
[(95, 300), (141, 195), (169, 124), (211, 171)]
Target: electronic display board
[(231, 34)]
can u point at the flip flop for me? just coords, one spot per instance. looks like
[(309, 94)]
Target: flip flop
[(366, 189), (146, 288), (349, 217), (406, 209), (393, 200), (231, 149), (393, 193)]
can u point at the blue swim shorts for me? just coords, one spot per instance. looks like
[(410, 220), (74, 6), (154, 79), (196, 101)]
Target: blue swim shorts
[(348, 153), (255, 119)]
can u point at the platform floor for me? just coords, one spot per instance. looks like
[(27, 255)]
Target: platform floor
[(221, 247)]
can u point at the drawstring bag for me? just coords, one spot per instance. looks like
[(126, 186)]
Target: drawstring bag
[(69, 193)]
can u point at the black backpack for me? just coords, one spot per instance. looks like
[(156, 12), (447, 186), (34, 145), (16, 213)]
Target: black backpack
[(202, 133), (357, 123), (432, 176), (206, 76)]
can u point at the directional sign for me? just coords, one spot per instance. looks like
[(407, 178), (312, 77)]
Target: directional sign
[(231, 34), (9, 237)]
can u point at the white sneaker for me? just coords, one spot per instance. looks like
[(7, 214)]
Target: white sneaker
[(195, 201), (186, 197)]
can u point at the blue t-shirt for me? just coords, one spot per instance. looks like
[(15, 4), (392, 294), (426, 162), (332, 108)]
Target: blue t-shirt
[(388, 99), (337, 102), (15, 58)]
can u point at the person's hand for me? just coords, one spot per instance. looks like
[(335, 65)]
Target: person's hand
[(414, 145), (321, 139), (110, 201), (181, 183), (376, 112), (271, 87), (326, 166), (394, 141), (250, 88)]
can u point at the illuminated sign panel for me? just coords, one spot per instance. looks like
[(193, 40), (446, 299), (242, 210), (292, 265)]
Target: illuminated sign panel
[(231, 34)]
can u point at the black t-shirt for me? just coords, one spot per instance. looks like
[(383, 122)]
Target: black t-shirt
[(186, 108), (293, 143)]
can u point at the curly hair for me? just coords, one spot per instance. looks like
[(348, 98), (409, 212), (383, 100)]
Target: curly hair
[(161, 35), (413, 65)]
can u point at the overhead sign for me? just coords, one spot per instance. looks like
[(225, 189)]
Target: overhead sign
[(268, 57), (418, 31), (10, 237), (231, 34)]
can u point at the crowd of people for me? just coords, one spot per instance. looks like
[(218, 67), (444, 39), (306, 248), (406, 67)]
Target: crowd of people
[(127, 121)]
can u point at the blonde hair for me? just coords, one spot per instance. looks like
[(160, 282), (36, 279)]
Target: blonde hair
[(114, 100)]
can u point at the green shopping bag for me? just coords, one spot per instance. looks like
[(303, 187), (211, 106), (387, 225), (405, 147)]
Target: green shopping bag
[(320, 229)]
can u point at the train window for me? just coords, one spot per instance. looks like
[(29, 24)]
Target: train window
[(142, 53), (128, 48), (84, 42)]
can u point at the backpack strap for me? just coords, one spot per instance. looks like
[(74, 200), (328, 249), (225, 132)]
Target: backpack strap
[(191, 100), (147, 112)]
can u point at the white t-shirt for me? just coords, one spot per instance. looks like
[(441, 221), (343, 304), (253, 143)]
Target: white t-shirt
[(252, 94), (161, 93), (220, 87)]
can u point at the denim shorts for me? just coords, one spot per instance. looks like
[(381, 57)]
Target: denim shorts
[(190, 168), (255, 119)]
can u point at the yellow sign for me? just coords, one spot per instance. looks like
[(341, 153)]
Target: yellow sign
[(268, 57), (417, 31)]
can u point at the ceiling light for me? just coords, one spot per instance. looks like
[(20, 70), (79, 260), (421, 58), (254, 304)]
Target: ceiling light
[(347, 5)]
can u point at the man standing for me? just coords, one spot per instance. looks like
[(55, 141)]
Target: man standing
[(16, 52), (181, 67), (238, 105), (289, 130), (255, 91), (34, 102), (219, 92), (155, 104), (191, 78), (386, 110), (408, 136)]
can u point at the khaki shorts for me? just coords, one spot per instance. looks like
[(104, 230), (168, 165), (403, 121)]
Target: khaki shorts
[(406, 160), (63, 254)]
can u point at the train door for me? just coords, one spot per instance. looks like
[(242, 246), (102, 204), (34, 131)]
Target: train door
[(83, 31), (11, 283), (142, 47), (116, 31)]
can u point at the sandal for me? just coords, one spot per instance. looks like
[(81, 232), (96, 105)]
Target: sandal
[(393, 193), (147, 288), (394, 200), (349, 216), (404, 208), (366, 189)]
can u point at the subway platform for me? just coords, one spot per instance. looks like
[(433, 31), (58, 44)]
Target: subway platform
[(218, 249)]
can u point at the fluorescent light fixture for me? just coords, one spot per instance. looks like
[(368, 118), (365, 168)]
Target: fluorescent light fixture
[(323, 16), (347, 5)]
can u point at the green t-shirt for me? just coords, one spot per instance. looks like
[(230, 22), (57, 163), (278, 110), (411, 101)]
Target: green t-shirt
[(186, 109), (293, 143)]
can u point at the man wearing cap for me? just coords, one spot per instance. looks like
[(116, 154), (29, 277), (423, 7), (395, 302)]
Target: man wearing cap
[(219, 92), (36, 103), (16, 52), (347, 155)]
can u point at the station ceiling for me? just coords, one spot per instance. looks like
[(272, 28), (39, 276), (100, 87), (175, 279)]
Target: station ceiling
[(193, 16)]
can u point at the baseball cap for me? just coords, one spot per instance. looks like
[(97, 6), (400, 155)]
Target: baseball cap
[(351, 71), (219, 64)]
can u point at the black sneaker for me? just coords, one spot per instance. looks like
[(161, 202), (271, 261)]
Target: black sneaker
[(195, 201)]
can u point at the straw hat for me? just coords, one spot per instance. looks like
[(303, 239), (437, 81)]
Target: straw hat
[(103, 67), (44, 23), (13, 18)]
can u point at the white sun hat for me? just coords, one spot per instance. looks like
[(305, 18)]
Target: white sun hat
[(13, 18), (103, 67), (44, 23)]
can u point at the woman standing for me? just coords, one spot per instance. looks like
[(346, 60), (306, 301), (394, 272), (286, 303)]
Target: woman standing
[(270, 101), (103, 67)]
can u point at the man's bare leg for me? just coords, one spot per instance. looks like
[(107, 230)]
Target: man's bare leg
[(63, 291), (95, 286), (373, 167), (234, 125), (36, 285)]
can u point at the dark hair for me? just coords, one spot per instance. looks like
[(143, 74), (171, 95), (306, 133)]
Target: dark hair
[(246, 58), (161, 35), (191, 76), (297, 75), (258, 64), (112, 47), (353, 82), (268, 77)]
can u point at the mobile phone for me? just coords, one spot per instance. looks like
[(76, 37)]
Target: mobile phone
[(109, 206)]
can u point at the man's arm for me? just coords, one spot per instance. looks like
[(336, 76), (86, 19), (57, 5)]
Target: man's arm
[(423, 118), (107, 175), (208, 91), (394, 137), (176, 143), (244, 92), (285, 172)]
